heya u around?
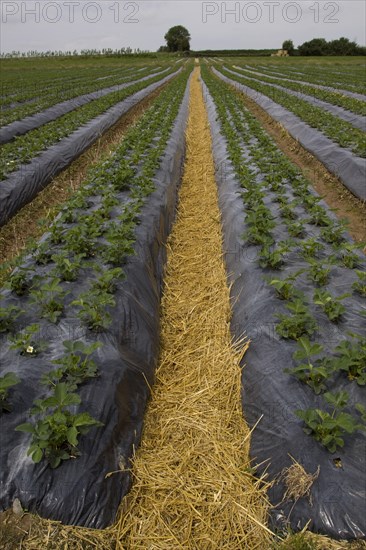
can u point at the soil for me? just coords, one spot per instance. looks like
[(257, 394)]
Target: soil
[(335, 194), (32, 220), (13, 529)]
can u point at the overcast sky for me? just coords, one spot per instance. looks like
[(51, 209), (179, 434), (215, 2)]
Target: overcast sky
[(76, 24)]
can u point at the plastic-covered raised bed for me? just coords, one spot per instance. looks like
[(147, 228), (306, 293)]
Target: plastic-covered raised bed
[(80, 328), (282, 277), (21, 186)]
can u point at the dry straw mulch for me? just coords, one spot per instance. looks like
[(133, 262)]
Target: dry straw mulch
[(193, 486)]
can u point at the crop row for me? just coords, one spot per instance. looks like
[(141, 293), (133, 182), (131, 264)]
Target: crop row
[(349, 79), (19, 86), (335, 98), (87, 244), (24, 148), (337, 130), (291, 232), (53, 96)]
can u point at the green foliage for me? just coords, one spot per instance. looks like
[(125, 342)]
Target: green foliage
[(334, 233), (108, 280), (300, 323), (8, 315), (76, 366), (260, 223), (314, 373), (329, 428), (311, 247), (8, 381), (296, 229), (177, 39), (331, 305), (347, 255), (67, 269), (317, 272), (285, 288), (42, 253), (289, 46), (50, 298), (19, 281), (318, 216), (360, 285), (26, 341), (25, 147), (288, 212), (296, 541), (93, 309), (351, 358), (341, 46), (55, 435), (274, 257)]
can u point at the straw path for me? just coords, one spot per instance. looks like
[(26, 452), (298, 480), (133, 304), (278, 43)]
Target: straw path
[(193, 486)]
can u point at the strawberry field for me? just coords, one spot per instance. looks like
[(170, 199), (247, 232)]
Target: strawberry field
[(81, 306)]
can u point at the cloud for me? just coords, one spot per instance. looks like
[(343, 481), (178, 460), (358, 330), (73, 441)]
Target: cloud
[(68, 24)]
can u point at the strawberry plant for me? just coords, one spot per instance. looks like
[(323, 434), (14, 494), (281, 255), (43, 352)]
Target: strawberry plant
[(360, 285), (317, 272), (81, 240), (27, 342), (362, 410), (318, 216), (50, 299), (67, 269), (8, 315), (331, 305), (57, 232), (288, 212), (285, 287), (42, 253), (347, 254), (298, 324), (329, 428), (260, 222), (314, 373), (108, 280), (253, 196), (124, 176), (352, 360), (76, 366), (311, 247), (19, 281), (93, 309), (8, 381), (55, 435), (273, 258), (296, 229), (334, 233), (120, 239)]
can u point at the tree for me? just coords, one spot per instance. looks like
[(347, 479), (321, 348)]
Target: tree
[(342, 46), (317, 46), (289, 46), (177, 39)]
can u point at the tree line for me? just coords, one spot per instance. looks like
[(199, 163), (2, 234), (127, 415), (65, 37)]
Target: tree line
[(320, 46)]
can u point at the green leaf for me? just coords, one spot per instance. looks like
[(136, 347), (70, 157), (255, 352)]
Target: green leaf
[(347, 422), (26, 427), (72, 436), (10, 379), (37, 455)]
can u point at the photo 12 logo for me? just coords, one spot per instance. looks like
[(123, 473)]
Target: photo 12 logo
[(69, 11), (270, 12)]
